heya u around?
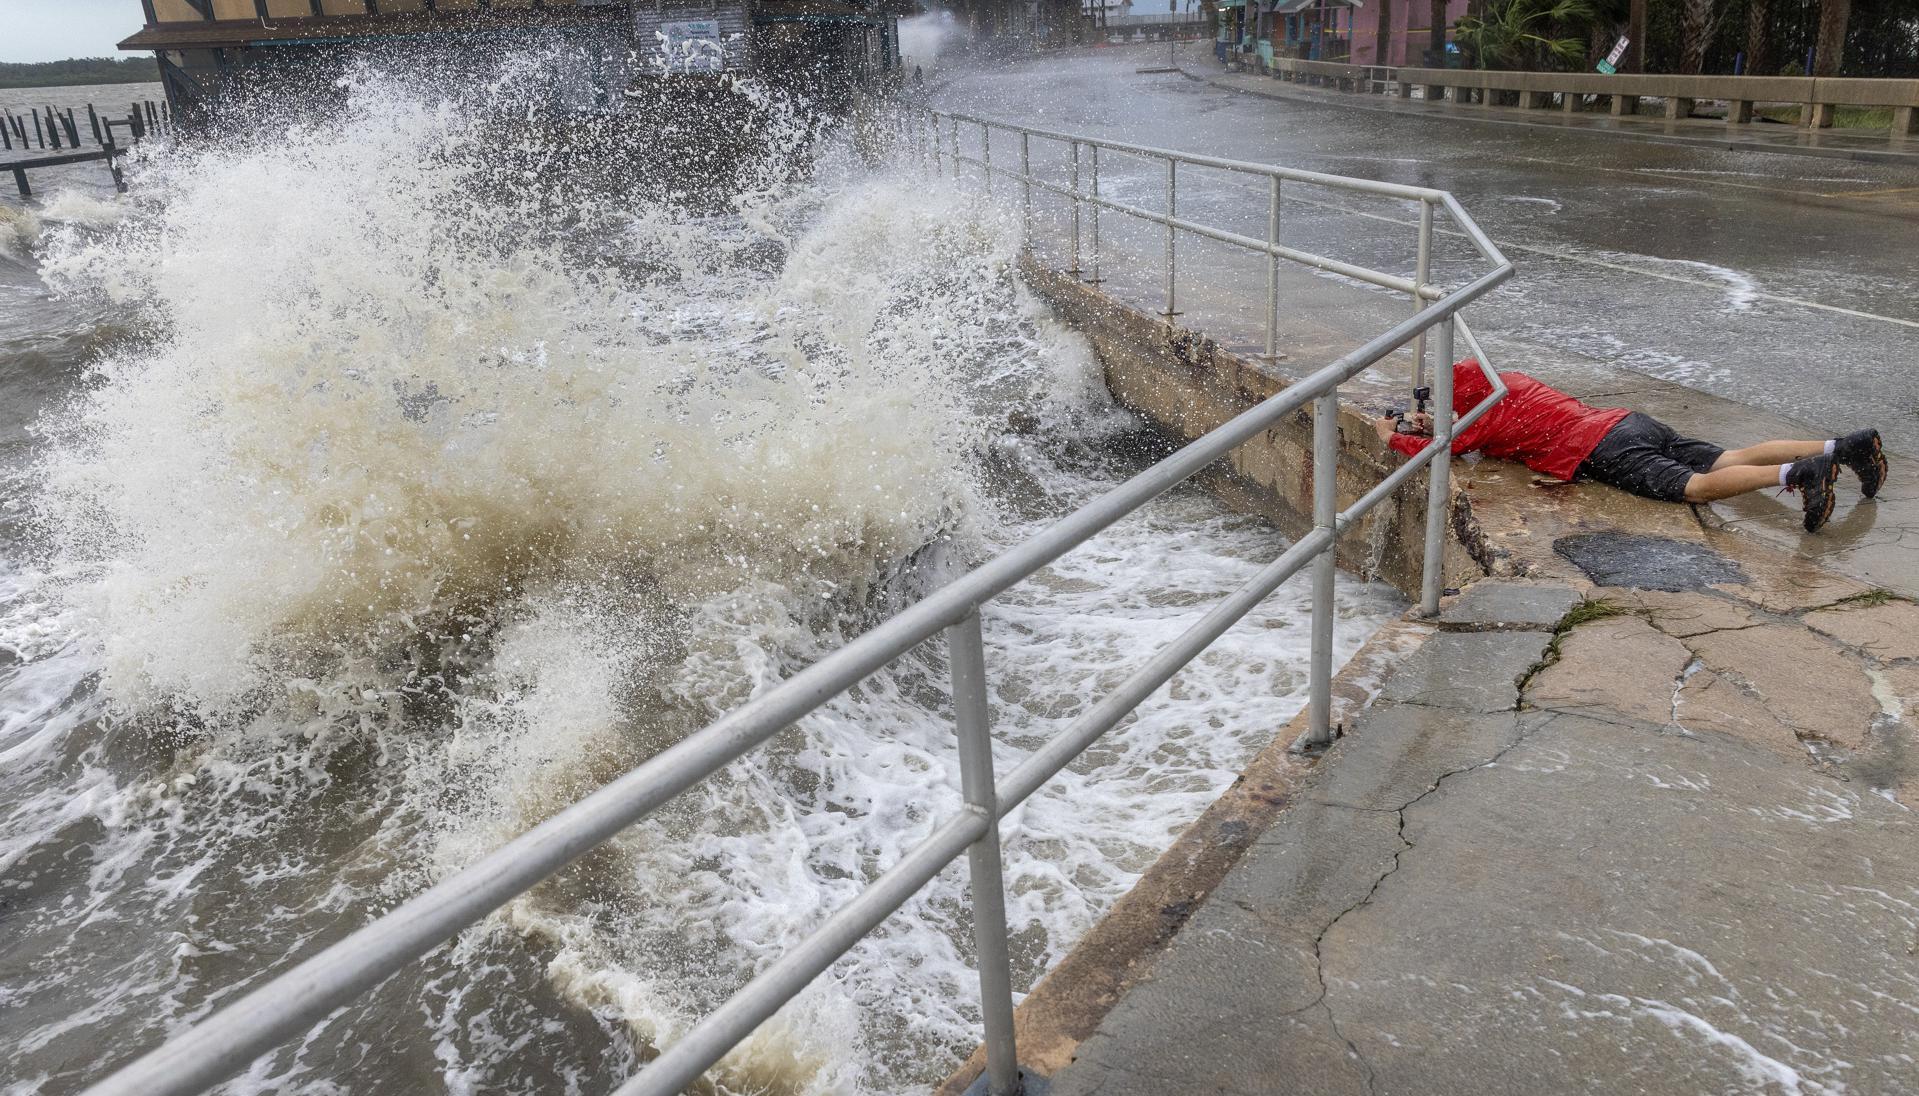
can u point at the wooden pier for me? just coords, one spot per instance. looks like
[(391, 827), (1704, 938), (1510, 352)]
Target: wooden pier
[(56, 138)]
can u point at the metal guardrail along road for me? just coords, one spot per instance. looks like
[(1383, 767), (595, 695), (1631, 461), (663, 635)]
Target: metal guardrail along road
[(225, 1042)]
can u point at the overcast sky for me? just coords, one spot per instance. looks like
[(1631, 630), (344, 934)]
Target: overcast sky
[(53, 30)]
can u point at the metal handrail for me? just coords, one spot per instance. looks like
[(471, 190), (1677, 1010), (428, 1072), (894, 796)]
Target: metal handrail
[(225, 1042)]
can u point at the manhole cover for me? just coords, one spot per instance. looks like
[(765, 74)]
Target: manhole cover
[(1648, 563)]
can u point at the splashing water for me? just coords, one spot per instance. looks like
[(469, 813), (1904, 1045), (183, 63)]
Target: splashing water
[(413, 512)]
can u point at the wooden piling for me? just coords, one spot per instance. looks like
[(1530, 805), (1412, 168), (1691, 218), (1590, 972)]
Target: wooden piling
[(73, 130), (93, 120), (39, 135)]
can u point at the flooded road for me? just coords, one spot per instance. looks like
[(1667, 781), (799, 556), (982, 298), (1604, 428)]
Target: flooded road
[(1784, 282)]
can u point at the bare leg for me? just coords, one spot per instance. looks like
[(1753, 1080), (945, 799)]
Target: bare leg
[(1768, 452), (1723, 482)]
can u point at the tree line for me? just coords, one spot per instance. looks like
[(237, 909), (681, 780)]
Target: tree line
[(1757, 37), (79, 70)]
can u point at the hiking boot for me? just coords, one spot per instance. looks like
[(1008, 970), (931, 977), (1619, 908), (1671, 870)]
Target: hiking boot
[(1861, 452), (1814, 478)]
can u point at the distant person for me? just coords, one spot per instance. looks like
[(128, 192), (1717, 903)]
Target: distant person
[(1556, 435), (919, 77)]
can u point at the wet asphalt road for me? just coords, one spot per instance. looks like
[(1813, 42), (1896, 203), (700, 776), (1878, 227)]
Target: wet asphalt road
[(1784, 282)]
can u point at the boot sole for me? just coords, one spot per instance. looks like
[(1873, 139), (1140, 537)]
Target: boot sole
[(1878, 464), (1825, 511), (1872, 470)]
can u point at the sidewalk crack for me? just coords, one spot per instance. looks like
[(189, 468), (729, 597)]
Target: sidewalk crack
[(1323, 1001)]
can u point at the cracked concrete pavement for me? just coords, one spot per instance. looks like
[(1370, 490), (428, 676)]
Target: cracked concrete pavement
[(1573, 860)]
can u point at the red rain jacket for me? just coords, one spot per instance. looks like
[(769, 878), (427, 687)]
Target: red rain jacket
[(1536, 424)]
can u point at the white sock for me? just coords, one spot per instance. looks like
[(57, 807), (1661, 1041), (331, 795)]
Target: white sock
[(1784, 471), (1831, 445)]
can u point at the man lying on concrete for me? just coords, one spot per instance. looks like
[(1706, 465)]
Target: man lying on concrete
[(1556, 435)]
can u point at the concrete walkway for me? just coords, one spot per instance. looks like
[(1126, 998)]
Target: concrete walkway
[(1659, 851), (1863, 145)]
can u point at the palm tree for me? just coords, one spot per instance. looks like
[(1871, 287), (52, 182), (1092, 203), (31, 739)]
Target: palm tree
[(1758, 37), (1698, 23), (1833, 17), (1517, 33)]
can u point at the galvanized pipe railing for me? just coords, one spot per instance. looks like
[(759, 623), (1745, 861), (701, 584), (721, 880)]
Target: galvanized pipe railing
[(224, 1043)]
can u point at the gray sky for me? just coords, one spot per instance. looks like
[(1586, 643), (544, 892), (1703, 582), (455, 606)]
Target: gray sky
[(53, 30)]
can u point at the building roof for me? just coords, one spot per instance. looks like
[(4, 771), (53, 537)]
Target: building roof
[(311, 31), (337, 28)]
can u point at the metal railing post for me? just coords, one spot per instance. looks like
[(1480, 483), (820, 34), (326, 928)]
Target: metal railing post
[(1172, 211), (1420, 270), (986, 155), (1026, 177), (1319, 728), (967, 654), (1074, 268), (1095, 186), (1439, 473), (1272, 274)]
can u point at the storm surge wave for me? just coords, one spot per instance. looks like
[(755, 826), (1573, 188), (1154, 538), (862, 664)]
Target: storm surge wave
[(430, 492)]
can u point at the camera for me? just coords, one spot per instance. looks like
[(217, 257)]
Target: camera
[(1402, 423)]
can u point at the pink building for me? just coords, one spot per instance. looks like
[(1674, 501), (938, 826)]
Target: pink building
[(1333, 30), (1411, 20)]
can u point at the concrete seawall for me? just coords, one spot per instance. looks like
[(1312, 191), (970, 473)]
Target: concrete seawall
[(1125, 1006), (1186, 385)]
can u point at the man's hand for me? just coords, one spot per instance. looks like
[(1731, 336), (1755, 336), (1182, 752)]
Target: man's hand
[(1418, 424)]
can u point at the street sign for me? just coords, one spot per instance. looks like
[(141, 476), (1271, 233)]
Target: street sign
[(1611, 64)]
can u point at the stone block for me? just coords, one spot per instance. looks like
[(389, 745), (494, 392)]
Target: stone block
[(1889, 631), (1738, 112), (1467, 671), (1496, 604), (1625, 104), (1905, 121), (1683, 614), (1816, 115), (1707, 702), (1533, 100), (1802, 680), (1677, 107), (1622, 666)]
